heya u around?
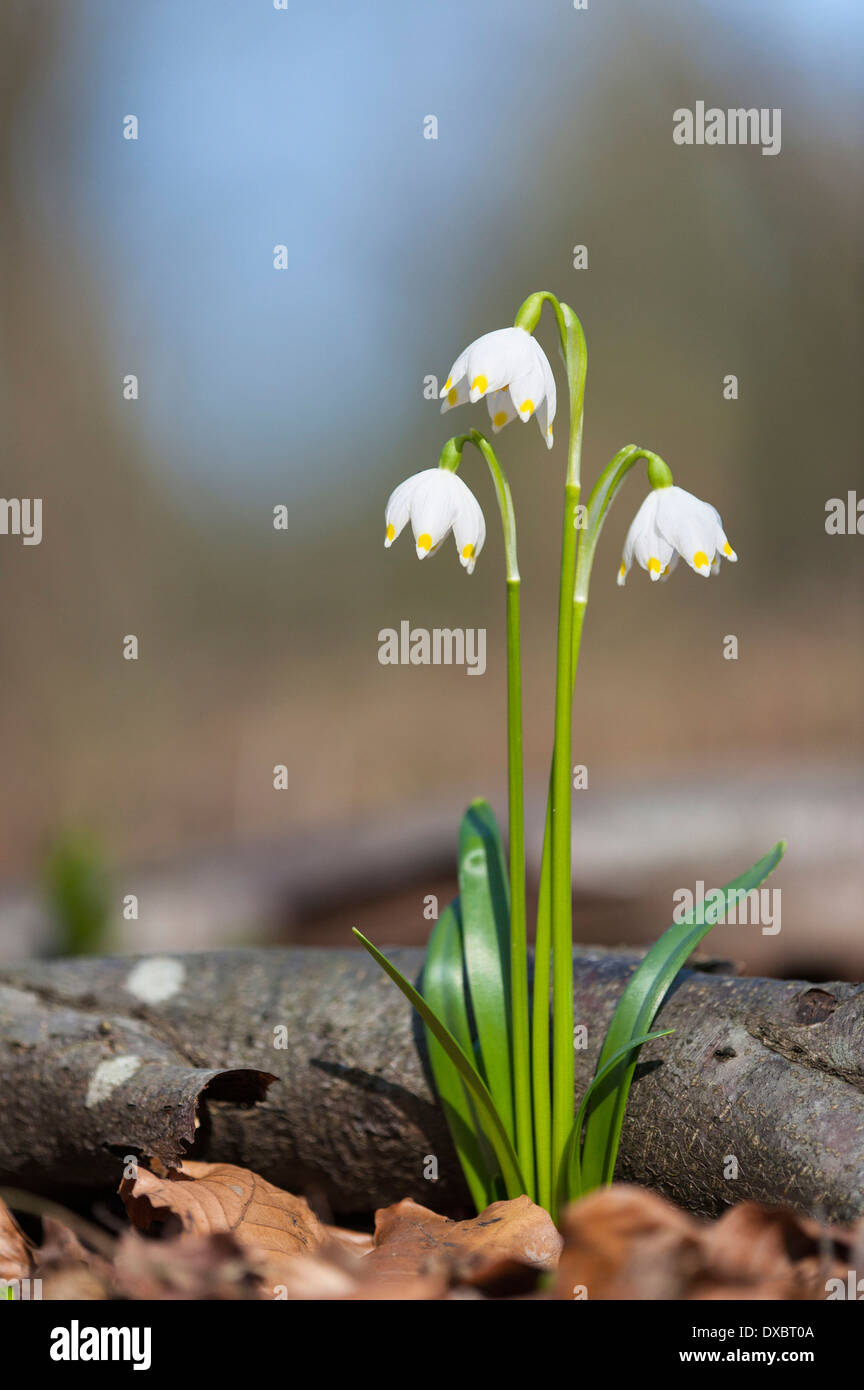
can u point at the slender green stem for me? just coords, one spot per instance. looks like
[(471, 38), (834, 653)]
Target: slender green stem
[(560, 935), (599, 502), (518, 920), (521, 1060), (561, 894), (601, 498), (540, 1070), (542, 971), (451, 457)]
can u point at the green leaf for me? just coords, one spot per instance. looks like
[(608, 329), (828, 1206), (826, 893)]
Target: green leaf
[(485, 907), (491, 1120), (569, 1184), (641, 999), (443, 988)]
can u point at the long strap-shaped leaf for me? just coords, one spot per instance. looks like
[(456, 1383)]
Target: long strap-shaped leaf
[(443, 988), (637, 1006), (492, 1123), (570, 1185), (485, 907)]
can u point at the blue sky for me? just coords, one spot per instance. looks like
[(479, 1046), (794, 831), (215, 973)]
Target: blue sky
[(304, 128)]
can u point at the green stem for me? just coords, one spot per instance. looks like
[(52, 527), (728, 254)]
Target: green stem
[(563, 1072), (518, 917), (540, 1070), (559, 937), (599, 502), (521, 1060)]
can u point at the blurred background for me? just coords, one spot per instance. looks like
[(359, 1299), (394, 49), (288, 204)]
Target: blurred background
[(304, 387)]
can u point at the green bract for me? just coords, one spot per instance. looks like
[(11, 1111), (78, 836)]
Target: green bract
[(504, 1070)]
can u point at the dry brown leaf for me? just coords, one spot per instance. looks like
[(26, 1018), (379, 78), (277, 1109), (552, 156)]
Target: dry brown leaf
[(335, 1273), (359, 1242), (754, 1242), (328, 1274), (625, 1242), (15, 1261), (206, 1198), (60, 1246), (755, 1245), (506, 1238), (419, 1255), (185, 1267), (74, 1283), (69, 1270)]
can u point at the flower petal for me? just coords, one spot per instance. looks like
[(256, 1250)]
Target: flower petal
[(432, 509), (469, 530), (528, 389), (397, 511), (501, 410), (496, 358), (547, 407), (690, 525), (456, 394)]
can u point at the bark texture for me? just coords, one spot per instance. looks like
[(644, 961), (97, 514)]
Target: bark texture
[(759, 1093)]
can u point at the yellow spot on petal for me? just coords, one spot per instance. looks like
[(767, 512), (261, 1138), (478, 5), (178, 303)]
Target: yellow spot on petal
[(666, 569), (452, 396), (727, 549), (391, 531), (467, 552), (448, 383), (479, 384), (623, 570), (424, 542), (500, 419), (527, 407), (654, 565), (700, 559)]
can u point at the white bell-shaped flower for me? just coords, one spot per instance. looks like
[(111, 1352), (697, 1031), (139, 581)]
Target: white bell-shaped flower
[(436, 502), (672, 522), (509, 368)]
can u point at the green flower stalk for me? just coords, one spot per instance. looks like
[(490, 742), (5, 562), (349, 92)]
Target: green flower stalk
[(503, 1064)]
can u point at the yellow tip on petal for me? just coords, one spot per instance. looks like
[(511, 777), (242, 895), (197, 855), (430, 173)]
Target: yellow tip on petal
[(391, 531), (701, 561), (654, 565), (448, 383), (500, 419), (727, 549), (424, 542), (479, 384), (622, 571), (527, 407), (452, 396), (467, 552)]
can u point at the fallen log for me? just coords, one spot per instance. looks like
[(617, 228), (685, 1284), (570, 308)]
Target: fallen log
[(759, 1092)]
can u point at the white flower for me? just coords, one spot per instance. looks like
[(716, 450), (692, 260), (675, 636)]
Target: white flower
[(672, 522), (436, 502), (512, 371)]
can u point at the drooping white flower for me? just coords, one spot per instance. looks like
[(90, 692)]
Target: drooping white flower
[(672, 522), (512, 371), (436, 501)]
